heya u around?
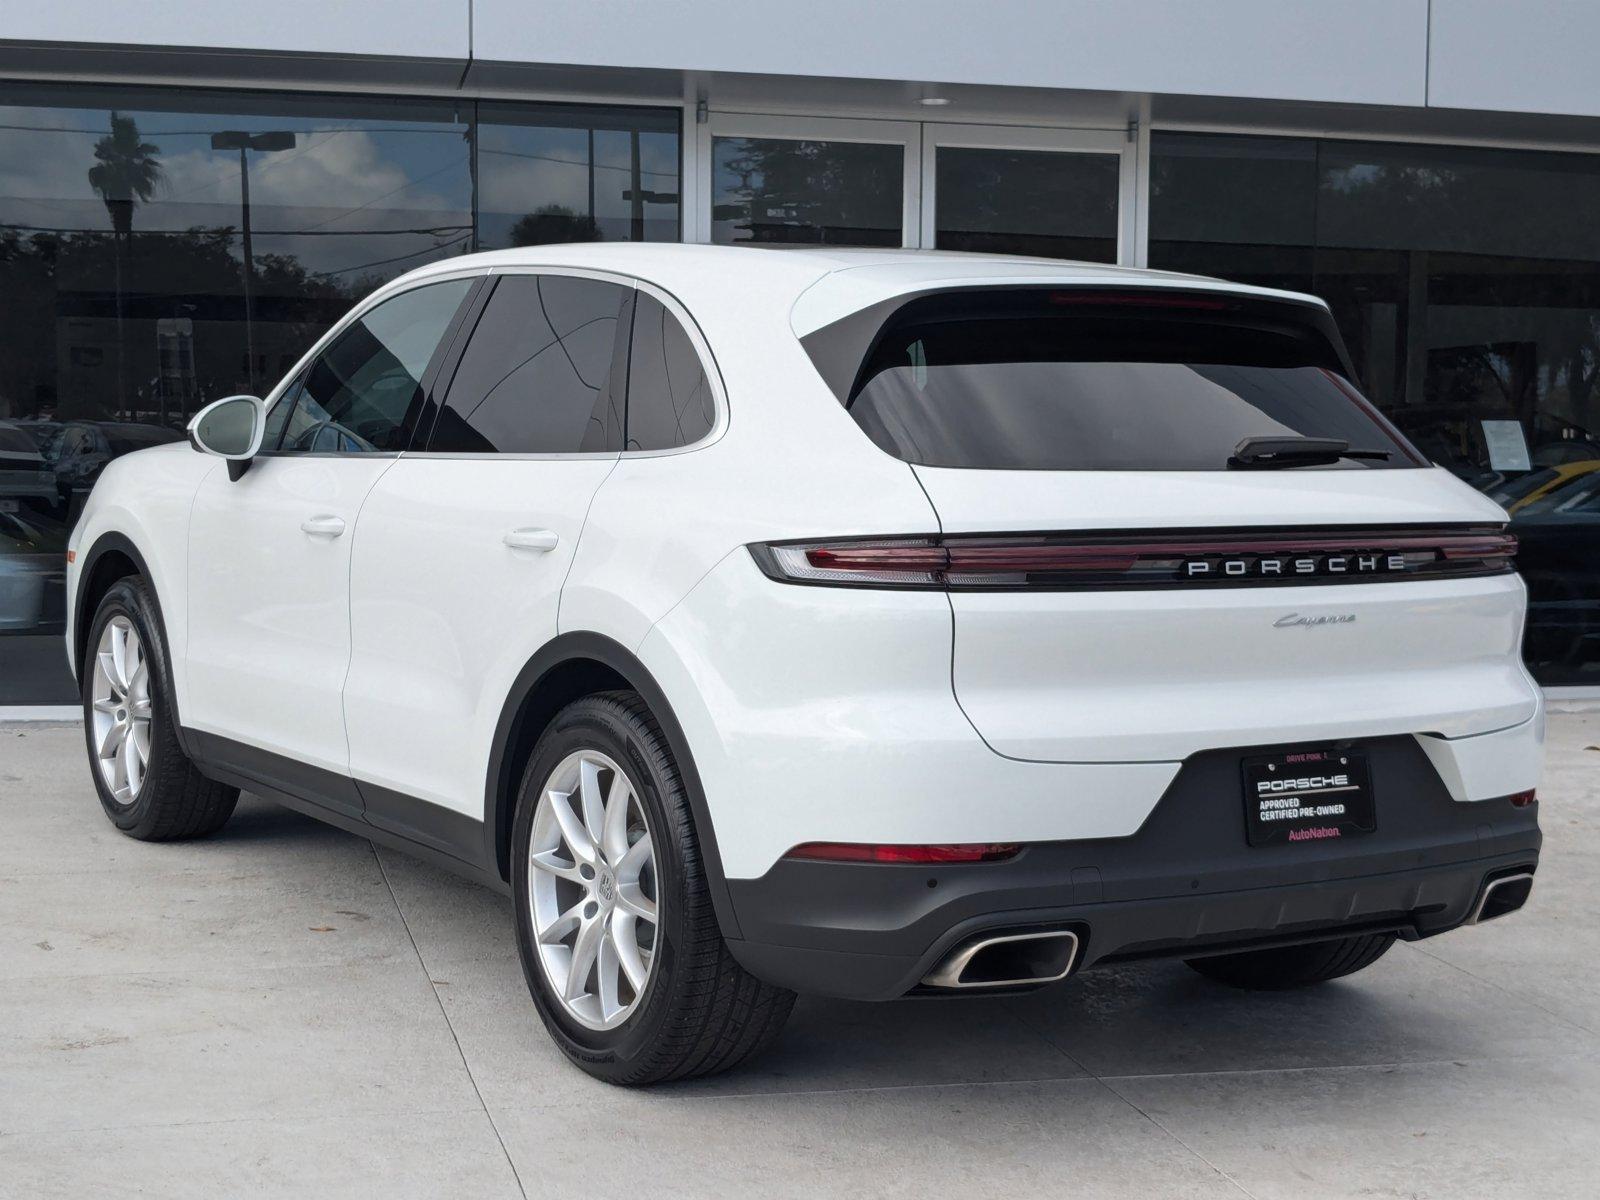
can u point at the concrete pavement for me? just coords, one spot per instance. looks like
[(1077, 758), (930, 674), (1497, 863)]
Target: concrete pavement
[(284, 1010)]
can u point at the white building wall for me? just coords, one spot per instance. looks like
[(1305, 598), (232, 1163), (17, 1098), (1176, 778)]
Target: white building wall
[(1513, 56), (1534, 56), (403, 28), (1360, 51)]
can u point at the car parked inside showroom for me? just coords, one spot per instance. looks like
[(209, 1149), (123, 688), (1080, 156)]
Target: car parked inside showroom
[(842, 622)]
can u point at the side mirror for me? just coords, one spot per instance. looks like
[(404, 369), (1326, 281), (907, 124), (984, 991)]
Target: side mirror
[(230, 428)]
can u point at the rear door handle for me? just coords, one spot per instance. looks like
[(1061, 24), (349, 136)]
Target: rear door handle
[(330, 527), (541, 540)]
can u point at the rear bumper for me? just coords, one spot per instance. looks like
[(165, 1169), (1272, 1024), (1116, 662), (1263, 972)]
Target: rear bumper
[(1185, 884)]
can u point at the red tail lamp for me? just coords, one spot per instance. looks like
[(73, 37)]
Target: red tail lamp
[(878, 852)]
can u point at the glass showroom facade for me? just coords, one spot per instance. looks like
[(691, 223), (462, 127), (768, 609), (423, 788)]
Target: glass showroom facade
[(161, 248)]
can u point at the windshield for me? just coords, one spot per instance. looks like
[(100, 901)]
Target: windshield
[(1040, 379)]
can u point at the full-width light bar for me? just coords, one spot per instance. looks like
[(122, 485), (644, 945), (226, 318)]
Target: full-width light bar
[(1204, 558)]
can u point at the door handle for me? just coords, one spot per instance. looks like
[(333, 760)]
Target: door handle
[(330, 527), (541, 540)]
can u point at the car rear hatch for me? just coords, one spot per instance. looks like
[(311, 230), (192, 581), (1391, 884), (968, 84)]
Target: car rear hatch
[(1170, 523)]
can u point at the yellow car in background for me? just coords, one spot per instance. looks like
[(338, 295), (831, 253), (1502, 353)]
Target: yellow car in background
[(1536, 485)]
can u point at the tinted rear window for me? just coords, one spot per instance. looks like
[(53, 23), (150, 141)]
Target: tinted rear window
[(1041, 379)]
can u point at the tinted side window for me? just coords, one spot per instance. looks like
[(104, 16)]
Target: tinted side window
[(363, 394), (278, 418), (669, 396), (536, 376)]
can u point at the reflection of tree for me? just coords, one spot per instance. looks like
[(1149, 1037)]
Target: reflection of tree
[(1510, 330), (126, 171), (53, 293), (554, 223), (1463, 279), (811, 191), (125, 174), (27, 271), (1027, 202)]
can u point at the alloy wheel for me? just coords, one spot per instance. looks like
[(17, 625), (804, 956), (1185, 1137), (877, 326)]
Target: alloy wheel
[(120, 716), (592, 890)]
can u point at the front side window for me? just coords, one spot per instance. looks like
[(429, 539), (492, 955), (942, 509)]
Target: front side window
[(1047, 379), (537, 376), (669, 397), (363, 394)]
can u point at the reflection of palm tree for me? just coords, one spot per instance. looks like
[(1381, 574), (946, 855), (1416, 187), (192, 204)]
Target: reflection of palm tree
[(125, 174), (127, 171)]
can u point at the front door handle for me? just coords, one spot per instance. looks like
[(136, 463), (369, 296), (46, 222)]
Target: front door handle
[(330, 527), (541, 540)]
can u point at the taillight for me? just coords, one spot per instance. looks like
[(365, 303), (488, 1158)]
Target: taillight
[(906, 562), (1121, 560), (1523, 799), (874, 852)]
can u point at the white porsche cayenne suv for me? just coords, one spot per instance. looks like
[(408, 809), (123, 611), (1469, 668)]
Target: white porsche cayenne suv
[(857, 623)]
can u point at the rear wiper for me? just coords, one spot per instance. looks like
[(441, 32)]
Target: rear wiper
[(1269, 453)]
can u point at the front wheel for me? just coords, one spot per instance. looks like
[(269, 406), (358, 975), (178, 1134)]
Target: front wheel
[(615, 927), (1295, 966), (147, 785)]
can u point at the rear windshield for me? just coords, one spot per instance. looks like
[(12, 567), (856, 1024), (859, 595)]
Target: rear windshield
[(1050, 380)]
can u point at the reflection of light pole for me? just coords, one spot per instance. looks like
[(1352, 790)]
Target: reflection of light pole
[(636, 186), (238, 139)]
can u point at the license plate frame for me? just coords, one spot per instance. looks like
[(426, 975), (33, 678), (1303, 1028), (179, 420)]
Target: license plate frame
[(1308, 795)]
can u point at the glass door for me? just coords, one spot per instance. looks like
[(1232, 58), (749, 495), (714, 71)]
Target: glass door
[(810, 181), (1055, 193)]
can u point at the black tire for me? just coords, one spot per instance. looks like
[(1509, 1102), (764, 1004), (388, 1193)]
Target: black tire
[(700, 1012), (174, 800), (1295, 966)]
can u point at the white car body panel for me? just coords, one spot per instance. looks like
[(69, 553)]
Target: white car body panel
[(863, 281), (444, 613), (1111, 676), (971, 501), (269, 632), (1492, 764), (1122, 677), (146, 497), (824, 714)]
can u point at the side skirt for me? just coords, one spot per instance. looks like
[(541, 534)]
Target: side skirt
[(425, 831)]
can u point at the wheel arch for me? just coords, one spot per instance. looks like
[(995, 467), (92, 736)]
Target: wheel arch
[(112, 557), (571, 666)]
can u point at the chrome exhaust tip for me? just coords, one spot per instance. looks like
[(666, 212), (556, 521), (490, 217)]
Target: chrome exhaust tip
[(1007, 960), (1502, 896)]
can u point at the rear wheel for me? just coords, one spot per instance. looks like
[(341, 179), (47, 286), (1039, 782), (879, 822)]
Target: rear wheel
[(1295, 966), (619, 943), (147, 785)]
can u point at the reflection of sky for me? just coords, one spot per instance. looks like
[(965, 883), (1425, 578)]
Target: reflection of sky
[(523, 168), (356, 196), (348, 196)]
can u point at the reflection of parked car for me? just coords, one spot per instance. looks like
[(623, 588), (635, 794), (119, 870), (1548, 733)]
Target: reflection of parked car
[(24, 474), (1559, 536), (1454, 438), (33, 571), (1564, 451), (80, 451), (1519, 492)]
